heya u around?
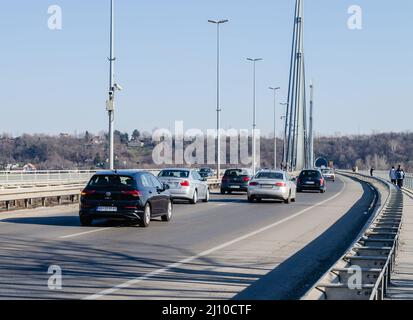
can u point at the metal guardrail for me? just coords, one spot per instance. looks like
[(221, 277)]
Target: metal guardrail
[(9, 197), (14, 179), (372, 255), (17, 179)]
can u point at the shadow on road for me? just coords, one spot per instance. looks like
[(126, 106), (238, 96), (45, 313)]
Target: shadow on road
[(68, 221), (295, 276)]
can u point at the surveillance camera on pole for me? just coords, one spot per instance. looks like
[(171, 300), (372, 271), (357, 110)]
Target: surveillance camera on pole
[(117, 87)]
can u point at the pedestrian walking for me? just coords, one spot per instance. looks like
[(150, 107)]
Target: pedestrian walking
[(400, 177), (392, 175)]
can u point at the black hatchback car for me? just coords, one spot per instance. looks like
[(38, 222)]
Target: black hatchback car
[(130, 195), (311, 180), (235, 180)]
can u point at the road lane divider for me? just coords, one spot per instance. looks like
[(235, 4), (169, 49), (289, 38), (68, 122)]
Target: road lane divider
[(84, 233)]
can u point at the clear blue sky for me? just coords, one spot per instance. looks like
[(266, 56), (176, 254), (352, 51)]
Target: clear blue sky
[(56, 81)]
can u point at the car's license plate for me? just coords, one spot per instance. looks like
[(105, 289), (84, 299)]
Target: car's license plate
[(235, 187), (107, 209), (266, 186), (310, 182)]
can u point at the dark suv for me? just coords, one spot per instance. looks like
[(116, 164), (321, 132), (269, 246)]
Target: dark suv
[(131, 195), (311, 180), (235, 180)]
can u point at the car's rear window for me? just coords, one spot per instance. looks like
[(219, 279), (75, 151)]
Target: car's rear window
[(310, 174), (269, 175), (174, 174), (236, 173), (120, 182)]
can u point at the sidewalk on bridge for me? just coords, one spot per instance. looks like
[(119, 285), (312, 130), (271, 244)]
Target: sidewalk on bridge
[(401, 287)]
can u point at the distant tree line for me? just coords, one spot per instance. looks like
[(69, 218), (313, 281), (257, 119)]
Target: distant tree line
[(89, 151)]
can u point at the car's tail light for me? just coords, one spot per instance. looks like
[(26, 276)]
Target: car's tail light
[(253, 184), (321, 181), (246, 179), (185, 183), (130, 207), (86, 193), (280, 184), (132, 193), (225, 179), (298, 181)]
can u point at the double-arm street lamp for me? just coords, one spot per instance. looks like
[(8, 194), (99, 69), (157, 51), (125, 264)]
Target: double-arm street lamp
[(218, 144), (254, 114)]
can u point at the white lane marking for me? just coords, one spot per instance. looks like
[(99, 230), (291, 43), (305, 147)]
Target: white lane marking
[(83, 233), (205, 253)]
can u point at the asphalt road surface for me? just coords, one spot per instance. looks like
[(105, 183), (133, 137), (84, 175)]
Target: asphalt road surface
[(225, 249)]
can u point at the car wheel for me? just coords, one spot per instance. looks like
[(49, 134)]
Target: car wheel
[(194, 199), (288, 200), (168, 216), (250, 199), (206, 196), (222, 191), (85, 221), (146, 216), (259, 199)]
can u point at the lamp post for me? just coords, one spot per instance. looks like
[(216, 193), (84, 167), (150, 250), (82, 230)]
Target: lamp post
[(218, 145), (311, 129), (275, 124), (285, 135), (254, 114), (110, 103)]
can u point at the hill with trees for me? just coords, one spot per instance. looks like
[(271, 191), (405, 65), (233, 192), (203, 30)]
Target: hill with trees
[(89, 151)]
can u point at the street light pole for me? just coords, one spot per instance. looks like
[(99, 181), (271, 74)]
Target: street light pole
[(110, 103), (285, 117), (218, 145), (275, 124), (311, 129), (254, 114)]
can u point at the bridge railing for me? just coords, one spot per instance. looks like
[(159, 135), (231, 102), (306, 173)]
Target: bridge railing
[(9, 179)]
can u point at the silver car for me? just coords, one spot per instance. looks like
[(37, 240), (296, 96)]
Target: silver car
[(185, 184), (328, 174), (272, 184)]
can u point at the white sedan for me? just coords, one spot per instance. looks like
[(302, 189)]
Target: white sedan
[(272, 184)]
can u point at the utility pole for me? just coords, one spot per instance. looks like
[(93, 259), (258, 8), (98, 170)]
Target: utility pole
[(218, 144), (275, 124), (254, 115)]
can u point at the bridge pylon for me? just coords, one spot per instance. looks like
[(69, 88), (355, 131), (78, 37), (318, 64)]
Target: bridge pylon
[(296, 153)]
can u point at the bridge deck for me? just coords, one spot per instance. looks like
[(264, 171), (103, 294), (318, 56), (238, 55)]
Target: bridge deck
[(401, 287)]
